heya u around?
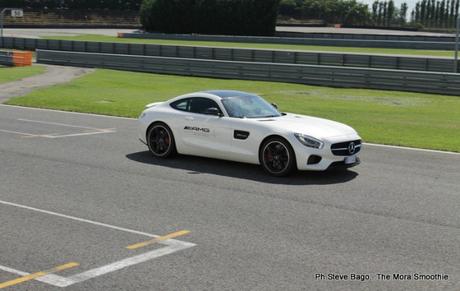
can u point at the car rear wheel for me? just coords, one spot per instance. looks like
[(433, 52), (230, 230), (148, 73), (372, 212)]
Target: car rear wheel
[(160, 141), (277, 157)]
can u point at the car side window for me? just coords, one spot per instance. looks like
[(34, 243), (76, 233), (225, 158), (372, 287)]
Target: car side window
[(202, 105), (182, 105)]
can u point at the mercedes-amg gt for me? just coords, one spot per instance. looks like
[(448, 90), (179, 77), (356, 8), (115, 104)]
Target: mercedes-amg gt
[(243, 127)]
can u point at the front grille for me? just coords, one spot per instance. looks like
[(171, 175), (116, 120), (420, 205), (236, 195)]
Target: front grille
[(346, 148)]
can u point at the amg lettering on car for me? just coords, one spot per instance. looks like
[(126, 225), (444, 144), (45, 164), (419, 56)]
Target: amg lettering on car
[(198, 129)]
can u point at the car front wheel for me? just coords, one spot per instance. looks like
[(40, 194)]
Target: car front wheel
[(160, 141), (277, 157)]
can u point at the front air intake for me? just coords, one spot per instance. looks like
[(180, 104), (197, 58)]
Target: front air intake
[(348, 148)]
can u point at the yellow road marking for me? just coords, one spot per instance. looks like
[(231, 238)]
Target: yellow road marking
[(38, 275), (158, 239)]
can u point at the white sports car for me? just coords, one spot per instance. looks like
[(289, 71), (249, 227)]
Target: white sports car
[(243, 127)]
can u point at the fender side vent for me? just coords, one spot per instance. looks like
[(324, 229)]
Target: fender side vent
[(239, 134)]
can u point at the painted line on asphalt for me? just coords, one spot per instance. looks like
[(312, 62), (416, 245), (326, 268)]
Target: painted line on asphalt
[(109, 130), (132, 119), (34, 276), (68, 112), (59, 124), (13, 271), (131, 261), (411, 149), (55, 135), (18, 133), (50, 279), (166, 242), (171, 246), (158, 239)]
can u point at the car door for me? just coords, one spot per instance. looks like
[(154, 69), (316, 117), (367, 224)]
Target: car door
[(199, 133)]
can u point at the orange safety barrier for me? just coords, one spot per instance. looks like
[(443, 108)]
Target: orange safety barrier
[(22, 59)]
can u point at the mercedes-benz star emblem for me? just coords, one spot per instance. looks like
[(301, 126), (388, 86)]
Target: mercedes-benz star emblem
[(351, 148)]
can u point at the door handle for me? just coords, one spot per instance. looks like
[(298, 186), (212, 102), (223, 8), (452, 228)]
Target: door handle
[(189, 118)]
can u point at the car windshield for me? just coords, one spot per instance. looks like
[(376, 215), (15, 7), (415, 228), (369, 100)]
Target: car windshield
[(249, 106)]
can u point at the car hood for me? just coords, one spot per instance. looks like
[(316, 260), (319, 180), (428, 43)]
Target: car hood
[(312, 126)]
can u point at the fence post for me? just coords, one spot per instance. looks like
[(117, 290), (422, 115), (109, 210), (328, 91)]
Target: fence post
[(457, 36)]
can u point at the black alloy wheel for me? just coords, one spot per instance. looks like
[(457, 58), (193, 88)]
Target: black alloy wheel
[(160, 141), (277, 157)]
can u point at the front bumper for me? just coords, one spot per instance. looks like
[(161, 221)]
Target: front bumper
[(343, 165), (328, 159)]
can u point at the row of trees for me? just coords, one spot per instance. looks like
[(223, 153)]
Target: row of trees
[(432, 13), (73, 4), (348, 12), (427, 13), (385, 13), (235, 17)]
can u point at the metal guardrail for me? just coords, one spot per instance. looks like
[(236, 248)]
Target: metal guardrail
[(358, 36), (15, 58), (235, 54), (442, 83), (6, 59), (404, 44)]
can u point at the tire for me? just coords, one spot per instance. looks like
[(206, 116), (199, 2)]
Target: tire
[(160, 141), (277, 157)]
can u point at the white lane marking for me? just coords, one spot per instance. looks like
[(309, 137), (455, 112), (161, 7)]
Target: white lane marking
[(59, 124), (172, 245), (68, 112), (13, 271), (109, 130), (132, 119), (411, 149), (166, 242), (96, 272), (54, 136), (50, 279), (19, 133)]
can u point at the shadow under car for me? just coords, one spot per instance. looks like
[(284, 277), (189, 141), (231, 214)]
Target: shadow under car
[(199, 165)]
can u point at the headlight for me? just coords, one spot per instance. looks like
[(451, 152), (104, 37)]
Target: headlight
[(309, 141), (142, 115)]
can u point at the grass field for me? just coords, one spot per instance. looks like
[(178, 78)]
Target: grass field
[(8, 74), (397, 118), (92, 37)]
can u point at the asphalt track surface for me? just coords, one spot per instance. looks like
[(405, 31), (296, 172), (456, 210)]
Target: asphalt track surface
[(80, 188)]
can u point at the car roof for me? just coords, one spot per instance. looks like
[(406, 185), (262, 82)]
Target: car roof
[(228, 93)]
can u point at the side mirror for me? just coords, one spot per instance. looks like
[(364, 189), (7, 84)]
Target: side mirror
[(213, 111), (275, 105)]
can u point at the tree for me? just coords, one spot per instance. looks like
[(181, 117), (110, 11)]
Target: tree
[(442, 13), (417, 13), (437, 14), (423, 12), (452, 13), (403, 14), (390, 13), (385, 13), (433, 13), (375, 10)]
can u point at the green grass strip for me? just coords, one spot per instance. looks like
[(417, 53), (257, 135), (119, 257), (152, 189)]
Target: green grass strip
[(385, 117)]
